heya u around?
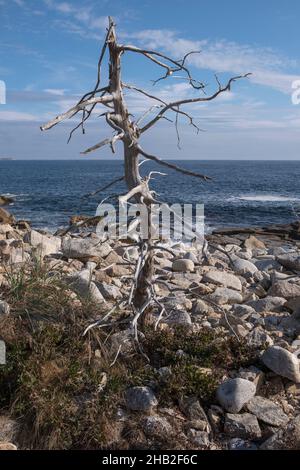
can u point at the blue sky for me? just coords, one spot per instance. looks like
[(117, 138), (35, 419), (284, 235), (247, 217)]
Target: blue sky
[(48, 55)]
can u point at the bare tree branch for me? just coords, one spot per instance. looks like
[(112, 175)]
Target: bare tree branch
[(80, 106), (172, 165), (193, 100), (179, 65)]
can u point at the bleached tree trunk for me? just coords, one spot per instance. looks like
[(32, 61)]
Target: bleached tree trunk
[(128, 131)]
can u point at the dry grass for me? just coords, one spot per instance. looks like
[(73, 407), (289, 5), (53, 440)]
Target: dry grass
[(51, 380)]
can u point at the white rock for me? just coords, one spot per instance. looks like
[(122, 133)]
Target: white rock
[(82, 284), (242, 266), (235, 393), (46, 245), (282, 362), (224, 279)]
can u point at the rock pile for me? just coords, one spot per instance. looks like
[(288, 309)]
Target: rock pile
[(249, 286)]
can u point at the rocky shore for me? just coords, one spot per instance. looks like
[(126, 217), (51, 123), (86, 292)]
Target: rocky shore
[(246, 293)]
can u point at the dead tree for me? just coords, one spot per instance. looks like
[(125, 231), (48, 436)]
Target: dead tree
[(128, 131)]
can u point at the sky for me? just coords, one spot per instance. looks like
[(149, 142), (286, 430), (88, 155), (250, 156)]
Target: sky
[(48, 56)]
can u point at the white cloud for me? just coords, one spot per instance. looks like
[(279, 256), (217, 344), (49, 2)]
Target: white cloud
[(81, 21), (54, 91), (267, 67)]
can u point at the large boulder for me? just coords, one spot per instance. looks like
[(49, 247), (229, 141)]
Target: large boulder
[(85, 249), (224, 279), (282, 362), (233, 394)]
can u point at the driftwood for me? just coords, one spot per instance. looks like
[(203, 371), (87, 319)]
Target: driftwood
[(128, 131)]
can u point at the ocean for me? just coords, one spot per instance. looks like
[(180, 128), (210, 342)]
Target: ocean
[(242, 193)]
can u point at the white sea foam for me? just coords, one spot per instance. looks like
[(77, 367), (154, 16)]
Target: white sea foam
[(266, 198)]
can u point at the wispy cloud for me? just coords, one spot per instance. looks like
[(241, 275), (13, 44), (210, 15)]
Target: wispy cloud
[(78, 20), (267, 67)]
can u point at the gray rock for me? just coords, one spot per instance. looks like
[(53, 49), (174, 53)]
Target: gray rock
[(242, 266), (244, 425), (268, 304), (259, 338), (2, 352), (267, 264), (282, 362), (156, 427), (201, 307), (224, 279), (178, 317), (290, 261), (285, 289), (81, 283), (46, 245), (267, 411), (85, 249), (242, 311), (177, 300), (192, 409), (183, 265), (288, 438), (109, 291), (235, 393), (140, 399), (223, 295), (4, 307)]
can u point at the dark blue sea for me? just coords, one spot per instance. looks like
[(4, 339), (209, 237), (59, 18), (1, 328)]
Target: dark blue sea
[(242, 193)]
